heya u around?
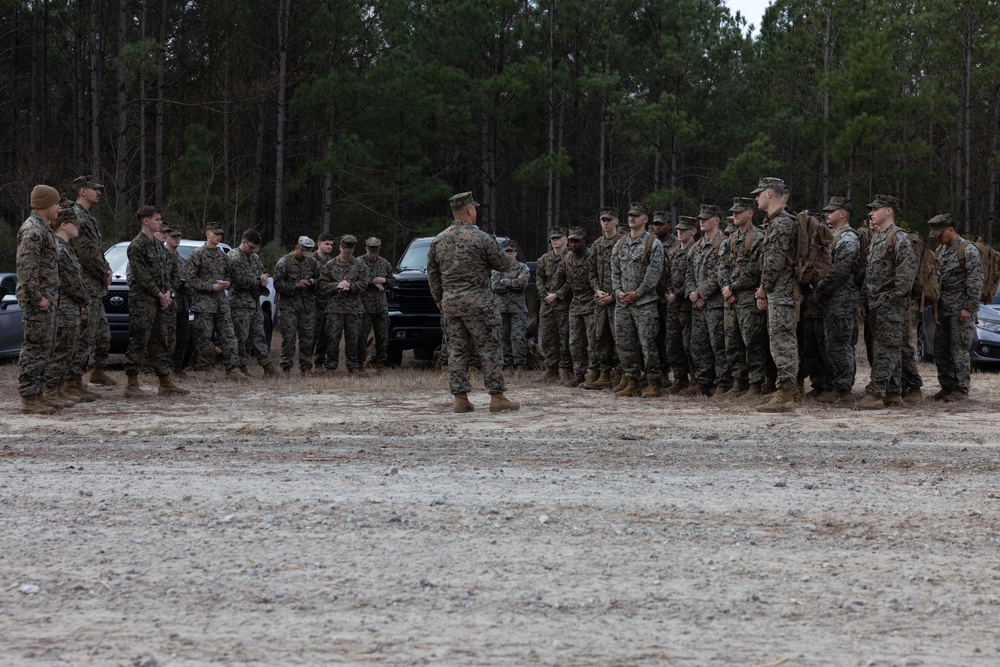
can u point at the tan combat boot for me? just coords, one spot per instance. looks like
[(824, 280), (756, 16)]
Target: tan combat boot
[(913, 396), (955, 396), (565, 375), (816, 392), (168, 387), (98, 376), (592, 376), (834, 396), (73, 387), (768, 387), (783, 400), (500, 403), (51, 396), (269, 371), (740, 387), (132, 389), (753, 390), (603, 381), (697, 389), (870, 402), (630, 390), (33, 405), (617, 378), (653, 390), (233, 374), (679, 385), (68, 401), (551, 374), (574, 381), (462, 403), (245, 371)]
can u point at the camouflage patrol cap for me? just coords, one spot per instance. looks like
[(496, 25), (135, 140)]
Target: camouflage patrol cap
[(577, 233), (881, 201), (687, 222), (215, 228), (348, 240), (66, 213), (660, 218), (306, 243), (709, 211), (173, 230), (373, 242), (608, 213), (87, 182), (637, 208), (461, 200), (509, 244), (741, 204), (769, 182), (557, 233), (937, 224), (837, 203)]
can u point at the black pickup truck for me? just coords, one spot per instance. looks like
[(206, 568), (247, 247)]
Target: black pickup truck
[(414, 319)]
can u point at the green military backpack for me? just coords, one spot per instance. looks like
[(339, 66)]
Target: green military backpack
[(813, 249), (991, 267)]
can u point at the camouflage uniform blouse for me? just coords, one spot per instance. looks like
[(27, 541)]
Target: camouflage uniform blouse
[(680, 266), (37, 266), (628, 273), (149, 267), (288, 271), (206, 267), (509, 287), (89, 249), (890, 271), (600, 262), (71, 288), (838, 284), (335, 271), (744, 272), (458, 269), (373, 300), (244, 272), (703, 276), (549, 280), (777, 273), (961, 282), (577, 272)]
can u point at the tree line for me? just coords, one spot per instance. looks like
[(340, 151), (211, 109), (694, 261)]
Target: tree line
[(363, 116)]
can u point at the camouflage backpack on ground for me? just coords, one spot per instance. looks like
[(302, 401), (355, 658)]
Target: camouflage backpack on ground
[(991, 267), (813, 252)]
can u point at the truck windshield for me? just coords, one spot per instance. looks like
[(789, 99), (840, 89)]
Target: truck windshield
[(415, 256)]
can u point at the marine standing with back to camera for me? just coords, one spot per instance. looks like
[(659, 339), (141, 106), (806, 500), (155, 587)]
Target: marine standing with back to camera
[(458, 270)]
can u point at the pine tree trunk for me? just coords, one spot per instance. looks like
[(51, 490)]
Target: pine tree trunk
[(95, 97), (160, 105), (279, 147), (142, 111), (121, 157)]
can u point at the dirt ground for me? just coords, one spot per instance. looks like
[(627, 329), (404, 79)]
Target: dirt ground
[(332, 520)]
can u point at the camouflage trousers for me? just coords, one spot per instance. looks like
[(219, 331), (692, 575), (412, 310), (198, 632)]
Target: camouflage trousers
[(320, 342), (298, 324), (514, 331), (555, 338), (889, 329), (222, 325), (708, 347), (781, 324), (147, 336), (64, 351), (910, 374), (475, 335), (635, 333), (36, 350), (182, 333), (744, 334), (379, 323), (678, 340), (248, 327), (841, 326), (582, 342), (92, 318), (952, 339), (344, 326), (604, 337), (661, 337), (813, 360)]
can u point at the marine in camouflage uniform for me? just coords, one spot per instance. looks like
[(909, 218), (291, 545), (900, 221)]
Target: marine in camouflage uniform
[(678, 318), (73, 302), (148, 276), (459, 265), (777, 293), (636, 265), (961, 284), (324, 253), (839, 297), (604, 308), (179, 336), (885, 302), (210, 275), (509, 286), (582, 341), (739, 276), (295, 277), (246, 271), (343, 280), (553, 314), (663, 231), (378, 272), (95, 333), (708, 332), (38, 297), (911, 379)]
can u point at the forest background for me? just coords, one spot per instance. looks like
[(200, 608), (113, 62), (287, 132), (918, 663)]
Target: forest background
[(362, 117)]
